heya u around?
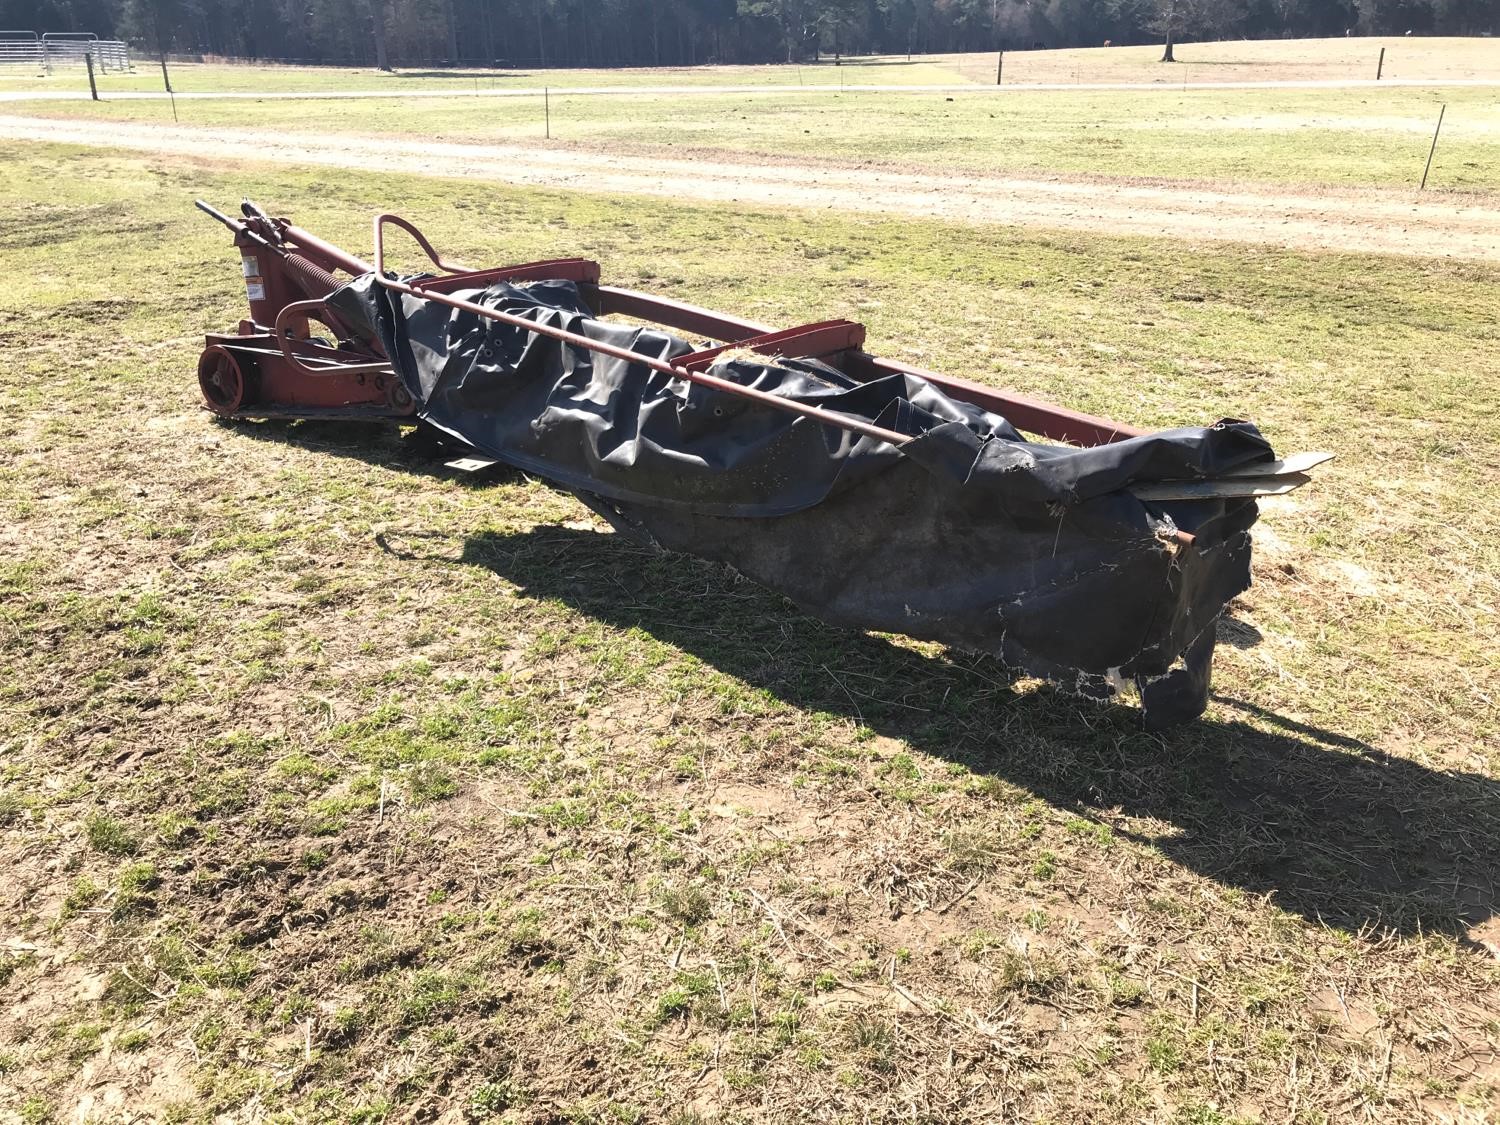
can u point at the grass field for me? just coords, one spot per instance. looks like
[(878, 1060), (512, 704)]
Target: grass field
[(335, 787), (1340, 137), (228, 78), (1334, 137)]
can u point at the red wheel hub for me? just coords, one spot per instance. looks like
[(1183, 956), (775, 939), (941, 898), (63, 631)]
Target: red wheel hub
[(221, 380)]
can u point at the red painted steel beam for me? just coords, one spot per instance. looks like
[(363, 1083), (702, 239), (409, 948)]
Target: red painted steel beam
[(1030, 414), (332, 256), (583, 271), (823, 338), (693, 319), (252, 376)]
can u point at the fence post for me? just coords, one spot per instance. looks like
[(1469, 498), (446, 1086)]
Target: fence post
[(1380, 64), (171, 93), (1442, 110), (88, 61), (999, 67)]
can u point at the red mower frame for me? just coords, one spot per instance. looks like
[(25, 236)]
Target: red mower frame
[(274, 367)]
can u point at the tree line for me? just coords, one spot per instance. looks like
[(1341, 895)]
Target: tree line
[(609, 33)]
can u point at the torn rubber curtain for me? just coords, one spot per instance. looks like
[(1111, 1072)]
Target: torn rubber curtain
[(967, 535)]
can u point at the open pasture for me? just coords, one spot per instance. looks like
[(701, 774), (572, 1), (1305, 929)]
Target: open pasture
[(339, 787), (1181, 123), (1427, 59), (1361, 137)]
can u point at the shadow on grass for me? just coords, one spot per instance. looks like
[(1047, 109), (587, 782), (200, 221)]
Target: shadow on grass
[(1327, 826), (860, 61), (462, 75), (385, 445)]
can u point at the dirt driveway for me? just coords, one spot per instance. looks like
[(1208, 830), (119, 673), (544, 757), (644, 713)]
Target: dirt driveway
[(1362, 220)]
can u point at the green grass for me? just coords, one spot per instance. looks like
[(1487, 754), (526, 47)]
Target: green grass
[(1336, 137), (369, 792)]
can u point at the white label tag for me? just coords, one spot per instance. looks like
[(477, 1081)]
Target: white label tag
[(255, 289), (470, 464), (249, 265)]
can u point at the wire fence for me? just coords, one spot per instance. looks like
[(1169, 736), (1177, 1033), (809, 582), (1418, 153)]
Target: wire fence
[(1252, 61), (26, 50)]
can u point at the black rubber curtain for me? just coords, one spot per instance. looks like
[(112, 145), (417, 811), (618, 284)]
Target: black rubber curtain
[(969, 535)]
